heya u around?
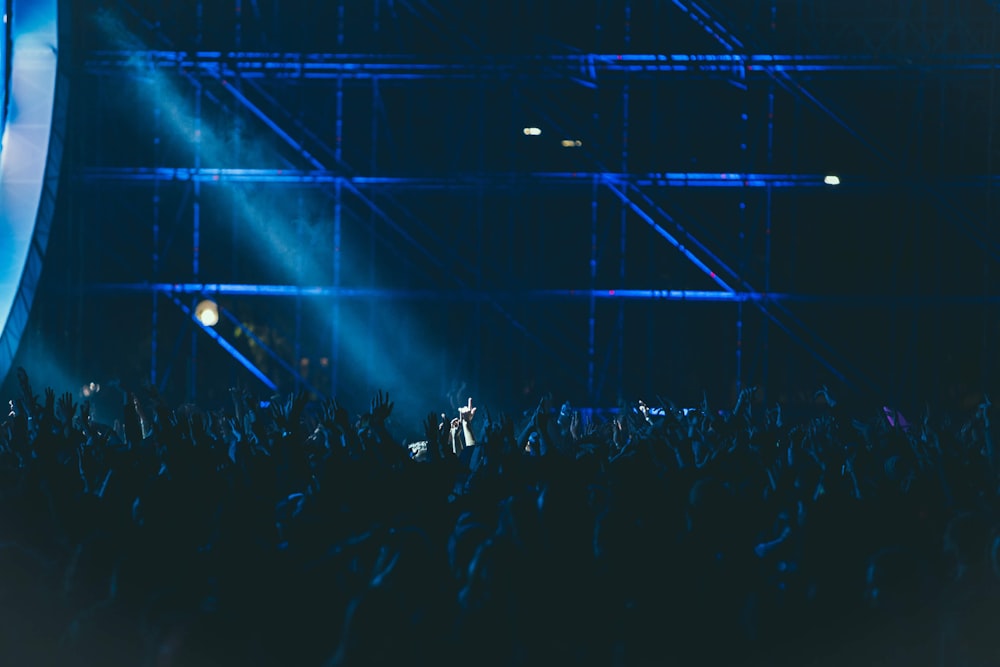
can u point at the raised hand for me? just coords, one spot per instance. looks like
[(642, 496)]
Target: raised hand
[(467, 412), (774, 416), (620, 436), (983, 411), (453, 430), (199, 424), (29, 399), (431, 426), (288, 415), (85, 415), (574, 423), (541, 417), (50, 403), (507, 426), (743, 402), (434, 433), (281, 413), (381, 408), (241, 401), (133, 424), (66, 409), (335, 415), (824, 393)]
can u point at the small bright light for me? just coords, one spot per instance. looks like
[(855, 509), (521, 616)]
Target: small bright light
[(571, 143), (532, 131), (832, 180), (207, 312)]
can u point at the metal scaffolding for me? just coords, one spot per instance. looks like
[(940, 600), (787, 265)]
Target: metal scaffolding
[(635, 140)]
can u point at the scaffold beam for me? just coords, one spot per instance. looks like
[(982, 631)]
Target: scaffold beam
[(498, 180), (458, 295), (584, 66)]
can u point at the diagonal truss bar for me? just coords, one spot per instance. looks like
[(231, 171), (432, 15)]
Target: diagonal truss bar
[(690, 256), (972, 229), (717, 31), (226, 345)]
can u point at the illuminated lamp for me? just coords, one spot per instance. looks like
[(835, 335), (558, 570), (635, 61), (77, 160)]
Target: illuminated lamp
[(207, 312)]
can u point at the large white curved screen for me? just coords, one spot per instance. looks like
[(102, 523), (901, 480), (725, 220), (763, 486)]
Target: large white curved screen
[(27, 179)]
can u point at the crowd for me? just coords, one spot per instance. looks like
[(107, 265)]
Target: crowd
[(303, 534)]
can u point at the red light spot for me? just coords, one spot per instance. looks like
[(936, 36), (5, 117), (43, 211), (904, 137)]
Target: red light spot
[(723, 176), (611, 292), (712, 273), (215, 177)]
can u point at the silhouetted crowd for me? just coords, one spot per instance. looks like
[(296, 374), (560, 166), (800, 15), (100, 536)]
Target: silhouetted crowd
[(303, 534)]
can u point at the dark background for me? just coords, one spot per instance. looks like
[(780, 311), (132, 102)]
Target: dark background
[(894, 272)]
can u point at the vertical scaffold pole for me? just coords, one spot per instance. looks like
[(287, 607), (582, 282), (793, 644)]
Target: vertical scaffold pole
[(620, 326), (592, 305), (337, 214), (768, 208), (154, 342), (196, 212), (373, 227)]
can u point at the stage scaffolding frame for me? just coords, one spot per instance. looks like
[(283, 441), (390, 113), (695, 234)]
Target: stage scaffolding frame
[(232, 81)]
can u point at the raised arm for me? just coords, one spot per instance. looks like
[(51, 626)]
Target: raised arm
[(466, 414)]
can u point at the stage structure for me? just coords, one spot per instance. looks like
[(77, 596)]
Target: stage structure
[(33, 98), (610, 199)]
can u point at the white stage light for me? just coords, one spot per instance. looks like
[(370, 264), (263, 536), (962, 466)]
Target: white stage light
[(207, 313)]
